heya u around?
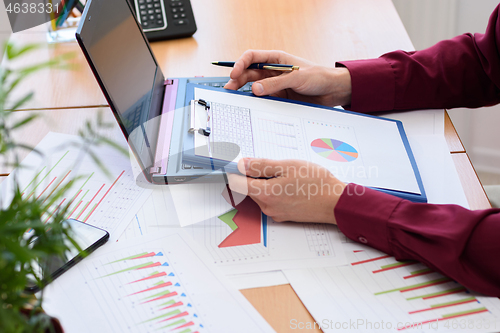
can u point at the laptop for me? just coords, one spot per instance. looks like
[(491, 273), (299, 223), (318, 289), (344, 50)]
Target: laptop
[(150, 109)]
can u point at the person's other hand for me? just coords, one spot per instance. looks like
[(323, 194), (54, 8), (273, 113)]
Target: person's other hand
[(311, 83), (299, 191)]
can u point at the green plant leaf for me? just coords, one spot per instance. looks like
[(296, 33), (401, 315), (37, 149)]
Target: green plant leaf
[(22, 101)]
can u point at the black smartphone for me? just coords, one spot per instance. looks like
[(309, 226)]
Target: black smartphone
[(165, 19), (88, 238)]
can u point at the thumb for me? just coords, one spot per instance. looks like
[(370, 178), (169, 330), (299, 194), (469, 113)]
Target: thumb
[(273, 84), (261, 167)]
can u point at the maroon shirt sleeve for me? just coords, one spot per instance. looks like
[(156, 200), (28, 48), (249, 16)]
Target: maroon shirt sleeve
[(459, 243), (460, 72)]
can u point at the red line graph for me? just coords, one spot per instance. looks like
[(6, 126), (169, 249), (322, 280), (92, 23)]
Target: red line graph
[(162, 297), (370, 260), (55, 210), (173, 305), (185, 325), (427, 285), (152, 254), (104, 196), (443, 306), (394, 267), (75, 209), (419, 274), (55, 188), (446, 293), (152, 265), (185, 313), (45, 189), (441, 319), (76, 196), (88, 203), (166, 284), (149, 277)]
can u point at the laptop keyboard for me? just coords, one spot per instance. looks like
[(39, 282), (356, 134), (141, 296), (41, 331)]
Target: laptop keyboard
[(246, 143), (246, 88), (232, 124)]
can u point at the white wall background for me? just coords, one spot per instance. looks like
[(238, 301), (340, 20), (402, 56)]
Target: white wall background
[(5, 29), (429, 21)]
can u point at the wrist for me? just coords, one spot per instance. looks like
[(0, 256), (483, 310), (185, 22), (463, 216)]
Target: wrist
[(337, 189), (341, 86)]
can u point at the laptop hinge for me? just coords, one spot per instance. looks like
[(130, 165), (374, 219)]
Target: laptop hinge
[(153, 170)]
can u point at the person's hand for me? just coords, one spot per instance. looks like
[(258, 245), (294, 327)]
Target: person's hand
[(311, 83), (299, 191)]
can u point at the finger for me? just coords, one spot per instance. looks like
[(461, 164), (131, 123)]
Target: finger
[(262, 167), (254, 56), (245, 185), (237, 183), (274, 84), (250, 75)]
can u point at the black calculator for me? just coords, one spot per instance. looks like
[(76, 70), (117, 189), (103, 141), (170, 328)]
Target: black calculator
[(165, 19)]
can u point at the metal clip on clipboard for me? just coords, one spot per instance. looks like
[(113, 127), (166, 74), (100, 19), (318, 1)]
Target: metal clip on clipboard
[(193, 129)]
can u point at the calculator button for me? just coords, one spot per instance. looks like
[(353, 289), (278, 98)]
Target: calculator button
[(176, 16), (142, 7), (160, 22), (181, 22), (141, 1), (150, 5), (157, 5), (157, 11), (183, 15), (143, 12), (151, 11), (144, 18), (151, 17), (159, 16), (174, 10), (144, 24), (181, 9)]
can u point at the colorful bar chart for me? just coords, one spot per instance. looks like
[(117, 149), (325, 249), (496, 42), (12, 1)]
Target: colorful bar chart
[(406, 296), (92, 195), (428, 283), (247, 223), (156, 287)]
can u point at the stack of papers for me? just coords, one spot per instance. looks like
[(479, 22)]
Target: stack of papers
[(178, 254)]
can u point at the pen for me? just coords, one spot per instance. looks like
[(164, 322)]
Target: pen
[(274, 67)]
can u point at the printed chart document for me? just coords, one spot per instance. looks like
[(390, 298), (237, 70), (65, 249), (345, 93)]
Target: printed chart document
[(243, 240), (153, 284), (376, 293), (356, 148), (105, 201)]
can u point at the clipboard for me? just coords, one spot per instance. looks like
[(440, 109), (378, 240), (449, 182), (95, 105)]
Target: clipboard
[(195, 156)]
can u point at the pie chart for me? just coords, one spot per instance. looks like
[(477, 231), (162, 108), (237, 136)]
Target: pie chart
[(334, 150)]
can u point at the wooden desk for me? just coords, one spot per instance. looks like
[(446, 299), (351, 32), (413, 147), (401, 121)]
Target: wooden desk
[(323, 31)]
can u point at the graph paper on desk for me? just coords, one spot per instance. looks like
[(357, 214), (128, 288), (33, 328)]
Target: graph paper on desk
[(376, 293), (156, 284), (107, 202)]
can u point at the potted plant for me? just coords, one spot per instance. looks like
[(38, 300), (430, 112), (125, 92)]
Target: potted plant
[(20, 311)]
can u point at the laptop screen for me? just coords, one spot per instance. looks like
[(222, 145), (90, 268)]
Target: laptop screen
[(126, 70)]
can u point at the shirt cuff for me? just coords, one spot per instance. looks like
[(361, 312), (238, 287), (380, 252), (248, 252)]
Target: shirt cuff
[(373, 84), (363, 214)]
